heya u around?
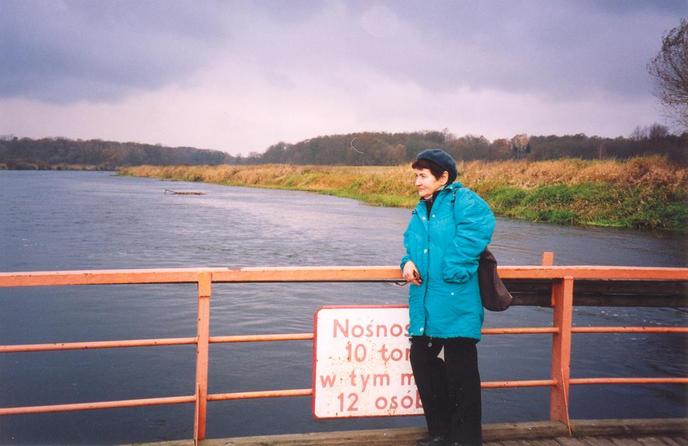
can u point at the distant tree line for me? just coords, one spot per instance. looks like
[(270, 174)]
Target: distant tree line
[(47, 153), (366, 148), (397, 148)]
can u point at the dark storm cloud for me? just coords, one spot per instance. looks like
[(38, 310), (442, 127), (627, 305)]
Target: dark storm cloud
[(71, 50), (559, 49), (66, 51)]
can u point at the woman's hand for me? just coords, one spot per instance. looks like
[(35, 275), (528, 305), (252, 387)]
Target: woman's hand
[(411, 274)]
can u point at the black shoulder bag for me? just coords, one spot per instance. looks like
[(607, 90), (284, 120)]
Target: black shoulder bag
[(493, 293)]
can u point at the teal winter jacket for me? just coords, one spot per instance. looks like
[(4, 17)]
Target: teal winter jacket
[(445, 248)]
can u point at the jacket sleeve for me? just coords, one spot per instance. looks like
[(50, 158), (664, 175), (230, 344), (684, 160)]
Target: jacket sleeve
[(475, 223), (407, 257), (407, 247)]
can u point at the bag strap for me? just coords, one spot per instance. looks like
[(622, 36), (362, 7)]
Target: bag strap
[(453, 202), (494, 296)]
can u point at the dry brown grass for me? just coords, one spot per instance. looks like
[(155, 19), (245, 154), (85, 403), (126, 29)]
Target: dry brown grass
[(651, 170), (363, 179)]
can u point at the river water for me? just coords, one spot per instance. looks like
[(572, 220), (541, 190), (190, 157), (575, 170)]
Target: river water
[(95, 220)]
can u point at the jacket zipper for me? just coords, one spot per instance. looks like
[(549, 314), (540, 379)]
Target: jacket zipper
[(427, 267)]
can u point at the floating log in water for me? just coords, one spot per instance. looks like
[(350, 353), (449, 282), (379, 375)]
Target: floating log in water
[(184, 192)]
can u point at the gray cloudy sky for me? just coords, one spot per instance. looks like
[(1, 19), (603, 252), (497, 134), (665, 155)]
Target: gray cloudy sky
[(241, 75)]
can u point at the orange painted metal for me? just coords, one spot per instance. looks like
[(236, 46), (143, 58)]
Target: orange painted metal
[(197, 413), (100, 277), (629, 380), (203, 328), (260, 394), (95, 345), (318, 274), (309, 392), (262, 338), (514, 331), (547, 258), (97, 405), (310, 274), (629, 329), (521, 383), (592, 273), (309, 336), (562, 302)]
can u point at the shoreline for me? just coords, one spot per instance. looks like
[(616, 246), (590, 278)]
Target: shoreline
[(645, 193)]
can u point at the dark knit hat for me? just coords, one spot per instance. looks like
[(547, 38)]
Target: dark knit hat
[(442, 159)]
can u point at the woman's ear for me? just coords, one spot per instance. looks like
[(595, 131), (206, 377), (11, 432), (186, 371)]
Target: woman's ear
[(445, 177)]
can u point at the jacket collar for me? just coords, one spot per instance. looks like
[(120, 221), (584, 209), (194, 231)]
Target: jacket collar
[(449, 187), (454, 185), (421, 209)]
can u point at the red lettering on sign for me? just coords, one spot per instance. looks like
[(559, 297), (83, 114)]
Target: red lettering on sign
[(344, 329), (351, 398), (328, 380), (395, 354)]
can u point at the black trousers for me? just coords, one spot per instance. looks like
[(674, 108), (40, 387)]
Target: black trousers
[(449, 389)]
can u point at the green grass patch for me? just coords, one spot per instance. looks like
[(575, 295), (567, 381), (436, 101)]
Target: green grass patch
[(558, 195), (594, 204)]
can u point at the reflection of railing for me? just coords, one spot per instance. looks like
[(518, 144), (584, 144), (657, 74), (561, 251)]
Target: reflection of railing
[(560, 280)]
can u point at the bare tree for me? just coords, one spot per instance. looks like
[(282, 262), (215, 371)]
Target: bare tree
[(657, 131), (639, 133), (670, 70)]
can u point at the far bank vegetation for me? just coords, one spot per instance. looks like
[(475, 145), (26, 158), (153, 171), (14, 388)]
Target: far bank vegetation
[(643, 192), (355, 149)]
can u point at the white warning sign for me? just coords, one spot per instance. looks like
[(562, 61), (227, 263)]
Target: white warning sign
[(361, 363)]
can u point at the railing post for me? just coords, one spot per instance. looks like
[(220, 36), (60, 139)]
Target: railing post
[(203, 333), (547, 258), (562, 302)]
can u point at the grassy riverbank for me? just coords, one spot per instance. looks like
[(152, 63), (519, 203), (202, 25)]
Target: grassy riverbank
[(643, 193)]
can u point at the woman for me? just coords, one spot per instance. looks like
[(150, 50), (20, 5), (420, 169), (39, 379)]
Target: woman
[(449, 229)]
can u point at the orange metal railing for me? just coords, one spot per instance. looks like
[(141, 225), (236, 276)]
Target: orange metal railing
[(561, 277)]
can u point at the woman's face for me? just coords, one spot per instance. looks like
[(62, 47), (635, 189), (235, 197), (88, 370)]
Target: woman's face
[(427, 183)]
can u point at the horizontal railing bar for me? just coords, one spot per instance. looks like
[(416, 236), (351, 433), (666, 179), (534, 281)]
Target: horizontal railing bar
[(305, 392), (303, 337), (101, 277), (628, 381), (190, 275), (593, 273), (629, 329), (261, 338), (526, 330), (522, 383), (318, 274), (310, 274), (309, 392), (97, 405), (506, 272), (259, 394), (95, 345), (309, 336)]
